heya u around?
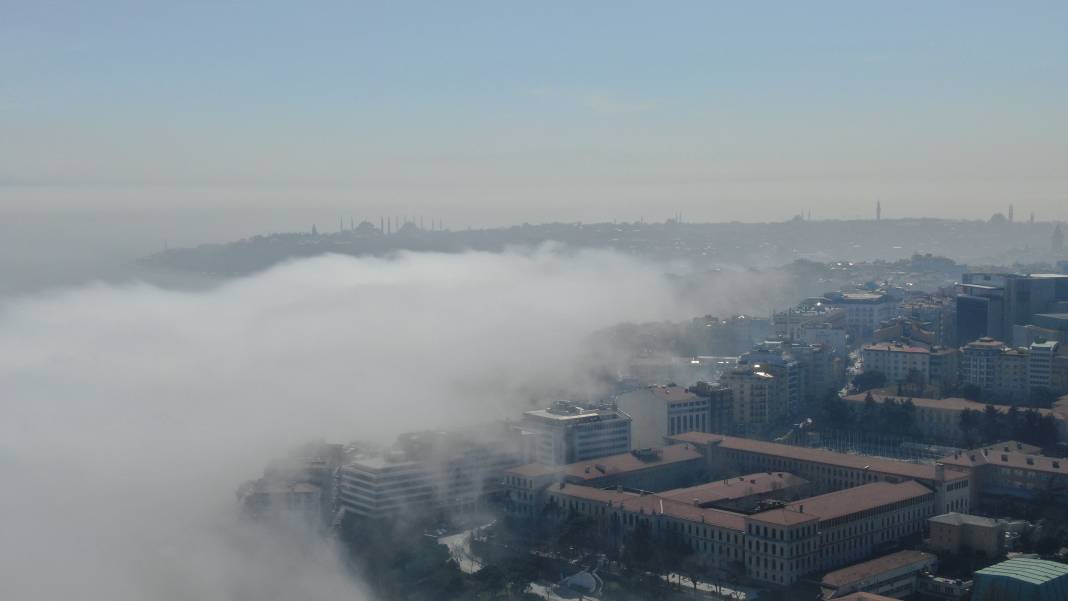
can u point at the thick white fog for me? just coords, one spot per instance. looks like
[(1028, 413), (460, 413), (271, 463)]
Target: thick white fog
[(131, 413)]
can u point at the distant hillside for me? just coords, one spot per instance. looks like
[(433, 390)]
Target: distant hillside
[(746, 244)]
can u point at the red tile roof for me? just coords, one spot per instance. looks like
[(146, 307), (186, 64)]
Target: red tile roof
[(631, 462), (849, 501), (533, 470), (874, 567), (736, 488), (1008, 455), (876, 464), (652, 504)]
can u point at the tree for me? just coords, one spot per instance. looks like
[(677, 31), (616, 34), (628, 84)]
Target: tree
[(869, 380), (1042, 397), (970, 392), (970, 423), (992, 424), (834, 413), (868, 420)]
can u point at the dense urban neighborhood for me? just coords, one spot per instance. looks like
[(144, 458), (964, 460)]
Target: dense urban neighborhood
[(904, 435)]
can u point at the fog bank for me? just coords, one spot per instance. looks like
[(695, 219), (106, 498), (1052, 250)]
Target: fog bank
[(131, 413)]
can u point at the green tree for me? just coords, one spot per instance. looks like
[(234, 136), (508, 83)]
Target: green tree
[(869, 380), (970, 425), (992, 424)]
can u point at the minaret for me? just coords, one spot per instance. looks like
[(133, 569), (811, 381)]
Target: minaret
[(1057, 242), (1032, 217), (878, 210), (1010, 213)]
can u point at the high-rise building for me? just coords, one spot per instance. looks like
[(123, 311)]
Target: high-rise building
[(780, 360), (1040, 365), (865, 311), (978, 364), (567, 432), (758, 399), (441, 472), (659, 411), (995, 305), (934, 371)]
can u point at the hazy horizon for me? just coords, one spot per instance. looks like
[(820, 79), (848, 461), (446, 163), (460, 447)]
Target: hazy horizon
[(485, 114), (136, 396)]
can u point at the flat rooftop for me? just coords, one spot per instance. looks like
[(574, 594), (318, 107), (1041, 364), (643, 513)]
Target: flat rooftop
[(580, 414), (895, 348), (533, 470), (873, 568), (959, 519), (849, 501), (667, 394)]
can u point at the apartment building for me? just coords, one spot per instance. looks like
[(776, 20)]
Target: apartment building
[(758, 399), (865, 311), (567, 432), (978, 363), (659, 411), (897, 361), (1040, 366), (781, 361)]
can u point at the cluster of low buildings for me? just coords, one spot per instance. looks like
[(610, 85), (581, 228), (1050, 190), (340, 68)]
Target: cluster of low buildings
[(677, 464), (779, 514)]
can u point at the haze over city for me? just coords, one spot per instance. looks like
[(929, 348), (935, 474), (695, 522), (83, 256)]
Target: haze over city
[(619, 301)]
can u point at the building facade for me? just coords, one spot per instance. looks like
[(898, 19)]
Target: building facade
[(566, 432), (828, 470), (757, 399), (958, 533), (659, 411)]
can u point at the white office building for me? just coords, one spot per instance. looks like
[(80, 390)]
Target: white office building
[(660, 411), (567, 433)]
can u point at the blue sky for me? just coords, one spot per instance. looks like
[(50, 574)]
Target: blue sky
[(615, 106)]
